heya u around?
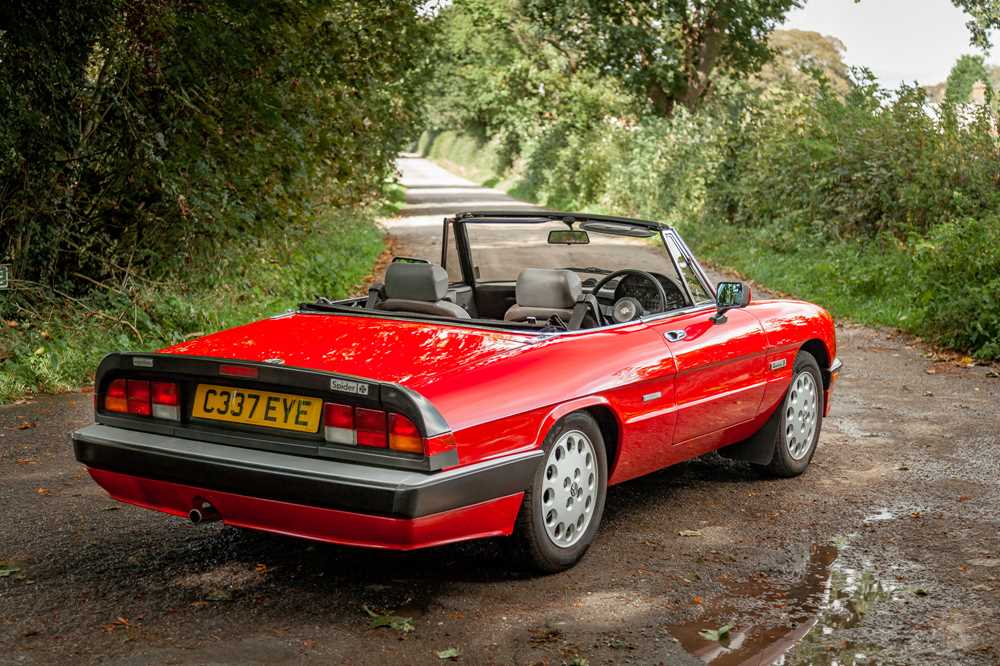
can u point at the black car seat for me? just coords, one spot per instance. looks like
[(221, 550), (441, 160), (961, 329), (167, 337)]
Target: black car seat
[(419, 288)]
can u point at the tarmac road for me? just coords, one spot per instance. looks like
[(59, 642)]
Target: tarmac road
[(886, 551)]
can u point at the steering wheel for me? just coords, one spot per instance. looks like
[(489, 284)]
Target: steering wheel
[(628, 308)]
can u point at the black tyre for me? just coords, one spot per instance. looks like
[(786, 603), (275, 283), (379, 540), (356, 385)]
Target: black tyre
[(562, 509), (801, 418)]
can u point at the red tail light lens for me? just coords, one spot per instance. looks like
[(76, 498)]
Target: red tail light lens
[(339, 416), (403, 435), (137, 391), (164, 393), (114, 398), (143, 398), (371, 427)]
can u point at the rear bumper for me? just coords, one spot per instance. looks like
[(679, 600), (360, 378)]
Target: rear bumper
[(491, 518), (313, 498)]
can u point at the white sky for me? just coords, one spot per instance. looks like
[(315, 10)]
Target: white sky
[(899, 40)]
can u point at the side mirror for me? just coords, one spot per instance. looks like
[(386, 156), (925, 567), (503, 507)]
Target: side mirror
[(729, 295)]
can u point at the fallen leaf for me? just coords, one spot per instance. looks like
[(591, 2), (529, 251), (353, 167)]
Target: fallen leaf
[(920, 592), (7, 570), (26, 461), (931, 371), (696, 601), (308, 643), (27, 425), (716, 634), (689, 533), (42, 491), (11, 323), (402, 624), (45, 335), (966, 362), (261, 568), (452, 653), (964, 498)]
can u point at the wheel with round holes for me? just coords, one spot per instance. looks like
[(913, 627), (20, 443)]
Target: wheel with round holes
[(562, 509), (801, 418)]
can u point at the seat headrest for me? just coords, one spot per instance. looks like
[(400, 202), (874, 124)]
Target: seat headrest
[(547, 288), (416, 282)]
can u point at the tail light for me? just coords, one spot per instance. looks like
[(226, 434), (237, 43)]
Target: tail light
[(403, 435), (166, 401), (114, 397), (143, 398), (344, 424), (137, 395)]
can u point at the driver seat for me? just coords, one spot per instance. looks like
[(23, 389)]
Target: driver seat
[(543, 292), (419, 288)]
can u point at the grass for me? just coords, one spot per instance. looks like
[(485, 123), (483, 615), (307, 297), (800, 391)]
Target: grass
[(50, 343), (851, 280)]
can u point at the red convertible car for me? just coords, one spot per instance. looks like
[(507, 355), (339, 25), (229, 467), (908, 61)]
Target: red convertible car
[(499, 390)]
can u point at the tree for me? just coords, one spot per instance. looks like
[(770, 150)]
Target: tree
[(798, 54), (667, 51), (985, 16), (967, 71), (670, 52)]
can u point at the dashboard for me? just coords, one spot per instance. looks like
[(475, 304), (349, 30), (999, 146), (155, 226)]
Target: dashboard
[(641, 290)]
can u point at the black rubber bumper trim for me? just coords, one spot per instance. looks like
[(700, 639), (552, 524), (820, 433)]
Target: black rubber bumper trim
[(299, 480)]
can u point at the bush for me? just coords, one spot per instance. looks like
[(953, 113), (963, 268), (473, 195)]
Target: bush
[(959, 282), (56, 345), (858, 166), (140, 138)]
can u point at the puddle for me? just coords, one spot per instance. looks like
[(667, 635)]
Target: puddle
[(829, 596)]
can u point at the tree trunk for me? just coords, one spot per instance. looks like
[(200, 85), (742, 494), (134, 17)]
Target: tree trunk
[(662, 101)]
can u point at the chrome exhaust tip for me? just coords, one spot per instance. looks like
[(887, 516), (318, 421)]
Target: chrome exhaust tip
[(203, 513)]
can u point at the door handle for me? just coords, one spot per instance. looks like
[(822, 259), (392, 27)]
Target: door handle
[(675, 336)]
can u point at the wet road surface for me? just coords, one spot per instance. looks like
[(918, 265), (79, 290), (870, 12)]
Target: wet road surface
[(885, 551)]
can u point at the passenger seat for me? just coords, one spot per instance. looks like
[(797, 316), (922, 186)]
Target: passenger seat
[(419, 288)]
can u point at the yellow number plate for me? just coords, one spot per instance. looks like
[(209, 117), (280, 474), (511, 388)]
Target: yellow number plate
[(259, 408)]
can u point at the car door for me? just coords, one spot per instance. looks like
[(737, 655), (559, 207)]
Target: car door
[(720, 374)]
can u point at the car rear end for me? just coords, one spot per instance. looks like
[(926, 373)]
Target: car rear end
[(291, 450)]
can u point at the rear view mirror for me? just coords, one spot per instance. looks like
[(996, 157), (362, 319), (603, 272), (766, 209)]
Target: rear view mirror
[(729, 295), (568, 237)]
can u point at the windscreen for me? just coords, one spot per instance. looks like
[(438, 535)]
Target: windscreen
[(501, 251)]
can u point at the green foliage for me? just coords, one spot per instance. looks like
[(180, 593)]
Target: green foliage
[(496, 78), (856, 166), (801, 55), (868, 203), (55, 343), (984, 16), (959, 272), (668, 53), (140, 138), (966, 72)]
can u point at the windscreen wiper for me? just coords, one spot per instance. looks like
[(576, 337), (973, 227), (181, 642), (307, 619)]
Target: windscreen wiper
[(587, 269)]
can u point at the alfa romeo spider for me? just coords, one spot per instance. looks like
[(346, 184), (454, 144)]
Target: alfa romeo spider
[(498, 388)]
